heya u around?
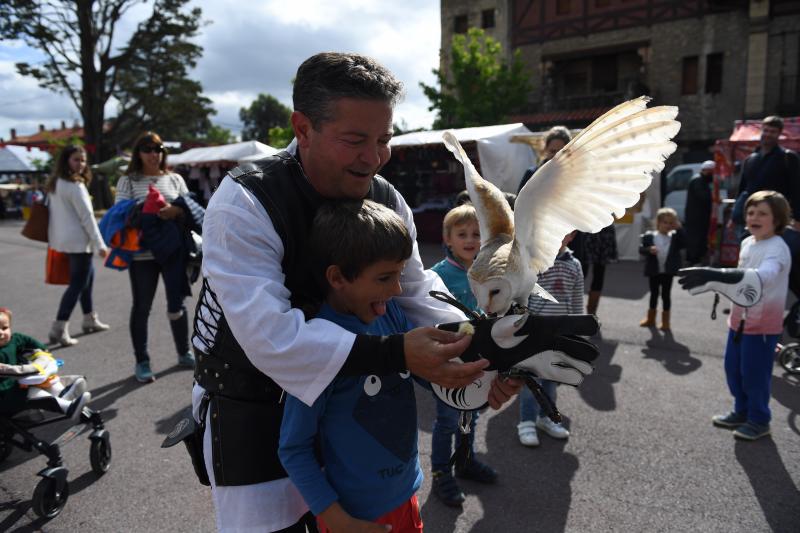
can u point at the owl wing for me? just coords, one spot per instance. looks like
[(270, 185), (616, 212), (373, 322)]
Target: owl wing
[(599, 174), (494, 213)]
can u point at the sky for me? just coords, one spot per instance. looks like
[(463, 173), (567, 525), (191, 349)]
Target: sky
[(252, 47)]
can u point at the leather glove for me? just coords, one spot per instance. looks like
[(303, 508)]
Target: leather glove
[(558, 366), (742, 286), (505, 341)]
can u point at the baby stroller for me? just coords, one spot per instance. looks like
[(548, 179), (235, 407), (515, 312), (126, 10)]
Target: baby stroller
[(789, 354), (51, 493)]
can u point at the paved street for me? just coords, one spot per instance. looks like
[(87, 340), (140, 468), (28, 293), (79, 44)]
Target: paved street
[(643, 455)]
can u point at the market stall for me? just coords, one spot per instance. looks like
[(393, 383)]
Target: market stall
[(429, 177), (204, 167)]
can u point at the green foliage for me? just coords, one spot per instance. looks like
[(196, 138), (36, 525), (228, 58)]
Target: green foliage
[(147, 75), (264, 114), (481, 88), (217, 135), (280, 137)]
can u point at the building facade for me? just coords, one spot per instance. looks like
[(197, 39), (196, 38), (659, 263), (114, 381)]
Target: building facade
[(718, 61)]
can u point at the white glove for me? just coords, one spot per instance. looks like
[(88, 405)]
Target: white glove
[(556, 366)]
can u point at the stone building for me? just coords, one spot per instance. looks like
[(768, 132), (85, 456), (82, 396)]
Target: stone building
[(717, 60)]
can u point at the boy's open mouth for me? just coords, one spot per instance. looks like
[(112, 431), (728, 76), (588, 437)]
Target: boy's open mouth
[(379, 308)]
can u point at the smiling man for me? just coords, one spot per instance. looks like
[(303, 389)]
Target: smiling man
[(255, 332)]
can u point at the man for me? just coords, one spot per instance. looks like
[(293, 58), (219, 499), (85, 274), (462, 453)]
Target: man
[(556, 138), (698, 213), (772, 167), (252, 336)]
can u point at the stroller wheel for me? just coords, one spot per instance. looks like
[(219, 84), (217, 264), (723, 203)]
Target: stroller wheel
[(100, 456), (789, 358), (48, 501), (5, 448)]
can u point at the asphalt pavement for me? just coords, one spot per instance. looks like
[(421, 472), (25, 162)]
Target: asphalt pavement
[(643, 455)]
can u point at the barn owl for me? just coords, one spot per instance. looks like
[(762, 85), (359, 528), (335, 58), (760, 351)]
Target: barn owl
[(596, 176)]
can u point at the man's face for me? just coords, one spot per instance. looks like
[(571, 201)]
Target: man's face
[(344, 153), (769, 136), (552, 148)]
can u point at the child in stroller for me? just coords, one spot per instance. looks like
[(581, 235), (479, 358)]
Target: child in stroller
[(28, 376), (28, 380)]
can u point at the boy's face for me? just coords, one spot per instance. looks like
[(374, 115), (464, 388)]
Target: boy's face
[(366, 296), (760, 222), (568, 239), (5, 329), (464, 240)]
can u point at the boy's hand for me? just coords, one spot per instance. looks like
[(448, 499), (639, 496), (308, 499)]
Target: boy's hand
[(654, 250), (428, 352), (338, 521)]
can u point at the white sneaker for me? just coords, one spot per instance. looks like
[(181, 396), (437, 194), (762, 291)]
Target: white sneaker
[(557, 431), (527, 433)]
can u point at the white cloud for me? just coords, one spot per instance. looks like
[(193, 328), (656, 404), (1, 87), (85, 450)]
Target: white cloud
[(255, 47)]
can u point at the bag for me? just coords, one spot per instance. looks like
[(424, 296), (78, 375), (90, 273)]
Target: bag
[(36, 226), (57, 268), (737, 214)]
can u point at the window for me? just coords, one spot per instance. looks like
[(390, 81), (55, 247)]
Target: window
[(461, 24), (689, 78), (563, 7), (714, 73), (487, 18), (604, 74), (602, 3)]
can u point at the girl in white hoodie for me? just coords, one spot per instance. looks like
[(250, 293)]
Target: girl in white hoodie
[(73, 230)]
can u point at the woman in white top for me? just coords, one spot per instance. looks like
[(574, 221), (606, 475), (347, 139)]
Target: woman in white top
[(73, 230), (149, 167)]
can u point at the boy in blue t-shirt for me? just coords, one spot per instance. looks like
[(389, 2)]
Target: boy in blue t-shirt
[(365, 427)]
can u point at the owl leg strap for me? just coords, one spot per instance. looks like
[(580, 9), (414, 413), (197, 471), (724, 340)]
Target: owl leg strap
[(462, 454)]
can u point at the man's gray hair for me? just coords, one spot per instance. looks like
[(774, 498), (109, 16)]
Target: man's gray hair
[(560, 133), (328, 76)]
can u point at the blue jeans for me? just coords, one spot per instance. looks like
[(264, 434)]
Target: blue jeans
[(444, 429), (144, 282), (528, 406), (748, 369), (81, 280)]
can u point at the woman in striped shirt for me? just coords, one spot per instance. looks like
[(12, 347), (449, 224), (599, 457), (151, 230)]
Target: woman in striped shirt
[(149, 167)]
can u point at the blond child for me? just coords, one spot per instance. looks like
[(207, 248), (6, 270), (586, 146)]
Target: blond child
[(662, 251)]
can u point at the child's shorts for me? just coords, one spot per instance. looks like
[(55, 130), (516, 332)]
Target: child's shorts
[(404, 519)]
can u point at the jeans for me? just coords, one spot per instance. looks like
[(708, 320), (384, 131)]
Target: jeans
[(81, 279), (528, 406), (444, 428), (748, 369), (144, 282)]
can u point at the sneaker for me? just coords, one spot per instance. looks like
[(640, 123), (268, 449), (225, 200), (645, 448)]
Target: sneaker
[(751, 431), (74, 389), (77, 405), (555, 430), (186, 360), (447, 490), (143, 373), (477, 471), (527, 433), (730, 421)]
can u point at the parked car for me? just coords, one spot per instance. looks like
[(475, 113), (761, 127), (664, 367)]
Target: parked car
[(677, 184)]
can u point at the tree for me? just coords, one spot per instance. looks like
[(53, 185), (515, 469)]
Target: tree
[(147, 76), (217, 135), (264, 113), (481, 88)]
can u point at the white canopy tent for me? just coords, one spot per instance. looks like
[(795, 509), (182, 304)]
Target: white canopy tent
[(501, 162), (226, 153)]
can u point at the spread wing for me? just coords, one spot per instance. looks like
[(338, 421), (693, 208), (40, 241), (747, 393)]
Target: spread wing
[(600, 173), (494, 213)]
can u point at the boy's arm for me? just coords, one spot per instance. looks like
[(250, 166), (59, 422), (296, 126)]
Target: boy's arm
[(299, 429)]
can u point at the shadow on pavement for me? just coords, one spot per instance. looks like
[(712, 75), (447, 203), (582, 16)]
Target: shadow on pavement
[(505, 508), (786, 391), (166, 424), (598, 389), (674, 356), (771, 482)]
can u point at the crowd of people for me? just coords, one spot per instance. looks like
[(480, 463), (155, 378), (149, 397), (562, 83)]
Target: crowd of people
[(314, 316)]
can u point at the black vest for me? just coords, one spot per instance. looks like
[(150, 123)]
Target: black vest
[(244, 406)]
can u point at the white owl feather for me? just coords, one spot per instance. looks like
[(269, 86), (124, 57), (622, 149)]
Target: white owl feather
[(596, 176)]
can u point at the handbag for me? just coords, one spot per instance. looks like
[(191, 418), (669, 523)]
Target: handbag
[(56, 268), (36, 226)]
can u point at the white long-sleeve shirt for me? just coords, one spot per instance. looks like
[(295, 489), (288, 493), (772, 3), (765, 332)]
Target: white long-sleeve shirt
[(242, 256), (72, 227)]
